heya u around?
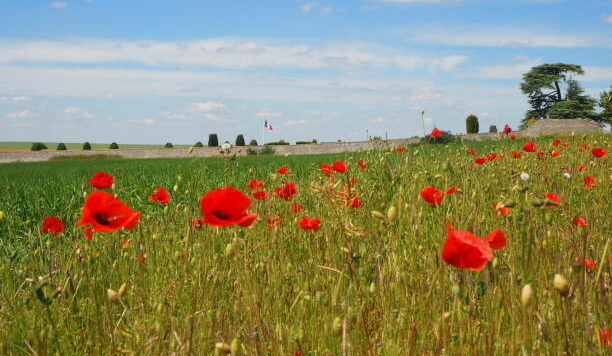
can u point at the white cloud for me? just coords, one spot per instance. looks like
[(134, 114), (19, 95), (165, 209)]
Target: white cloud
[(268, 114), (306, 7), (59, 5), (150, 121), (15, 99), (78, 113), (22, 114), (607, 18), (377, 120), (508, 71), (485, 36), (293, 123), (326, 10), (207, 106), (223, 53)]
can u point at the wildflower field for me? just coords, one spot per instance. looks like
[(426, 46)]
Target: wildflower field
[(479, 248)]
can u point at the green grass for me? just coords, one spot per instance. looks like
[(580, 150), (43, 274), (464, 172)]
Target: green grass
[(361, 285), (77, 146)]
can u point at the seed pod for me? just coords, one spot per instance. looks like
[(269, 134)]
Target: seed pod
[(377, 214), (372, 288), (561, 285), (175, 188), (509, 203), (526, 295), (337, 324), (392, 214), (122, 290), (223, 347), (235, 347), (112, 296)]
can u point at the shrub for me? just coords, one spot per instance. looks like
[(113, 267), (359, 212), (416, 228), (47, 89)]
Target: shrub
[(251, 152), (253, 143), (267, 151), (492, 128), (38, 146), (114, 146), (86, 146), (240, 141), (303, 143), (471, 124), (278, 143), (168, 145), (61, 147), (314, 140), (213, 140), (444, 139), (198, 144)]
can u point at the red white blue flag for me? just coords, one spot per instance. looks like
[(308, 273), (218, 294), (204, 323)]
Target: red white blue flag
[(268, 126)]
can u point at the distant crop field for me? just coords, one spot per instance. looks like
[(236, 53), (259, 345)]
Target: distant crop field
[(75, 146), (480, 248)]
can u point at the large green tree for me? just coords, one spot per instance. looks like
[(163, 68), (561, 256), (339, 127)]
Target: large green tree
[(543, 86), (605, 102), (575, 105)]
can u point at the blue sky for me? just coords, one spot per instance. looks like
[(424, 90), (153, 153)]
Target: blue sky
[(157, 71)]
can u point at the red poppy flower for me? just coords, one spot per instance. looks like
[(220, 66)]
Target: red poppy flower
[(517, 154), (160, 195), (496, 239), (435, 133), (513, 137), (501, 210), (52, 225), (557, 142), (554, 153), (362, 164), (579, 221), (589, 264), (507, 129), (450, 190), (589, 182), (400, 150), (605, 337), (274, 221), (471, 151), (492, 156), (552, 200), (226, 206), (540, 153), (355, 203), (197, 222), (481, 160), (432, 195), (254, 184), (286, 192), (101, 180), (309, 223), (260, 195), (529, 147), (580, 167), (339, 166), (598, 152), (296, 208), (465, 250), (327, 169), (282, 170), (102, 212)]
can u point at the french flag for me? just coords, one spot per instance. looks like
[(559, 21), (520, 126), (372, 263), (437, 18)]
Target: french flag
[(268, 126)]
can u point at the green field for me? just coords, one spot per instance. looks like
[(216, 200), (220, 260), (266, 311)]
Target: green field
[(75, 146), (364, 284)]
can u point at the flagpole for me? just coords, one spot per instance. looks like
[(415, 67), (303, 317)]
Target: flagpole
[(263, 131)]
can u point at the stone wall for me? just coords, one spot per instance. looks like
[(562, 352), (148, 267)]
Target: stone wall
[(538, 128)]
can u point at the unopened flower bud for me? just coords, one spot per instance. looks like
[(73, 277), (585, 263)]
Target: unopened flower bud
[(223, 347), (337, 324), (392, 214), (561, 285), (235, 347), (2, 215), (377, 214), (112, 296), (526, 295)]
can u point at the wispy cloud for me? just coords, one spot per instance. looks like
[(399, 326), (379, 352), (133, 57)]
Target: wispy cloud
[(268, 114), (22, 114), (78, 113), (607, 18), (15, 99), (59, 5), (418, 1), (206, 106)]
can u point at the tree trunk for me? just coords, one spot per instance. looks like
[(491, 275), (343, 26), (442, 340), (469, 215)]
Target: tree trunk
[(558, 91)]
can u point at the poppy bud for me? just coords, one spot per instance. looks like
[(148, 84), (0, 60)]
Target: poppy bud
[(223, 348), (495, 262), (2, 215), (561, 285), (548, 217), (112, 296), (337, 324), (526, 295), (372, 288), (509, 203), (392, 214), (377, 214), (122, 290), (175, 188), (235, 347), (446, 315)]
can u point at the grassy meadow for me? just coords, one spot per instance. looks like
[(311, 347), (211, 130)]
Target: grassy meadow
[(369, 282)]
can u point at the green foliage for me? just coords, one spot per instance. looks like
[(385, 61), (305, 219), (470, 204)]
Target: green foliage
[(492, 129), (168, 145), (114, 146), (314, 140), (267, 151), (253, 143), (38, 146), (240, 141), (304, 142), (61, 147), (86, 146), (471, 124), (92, 157), (445, 138), (198, 144), (278, 143), (213, 140), (605, 103)]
